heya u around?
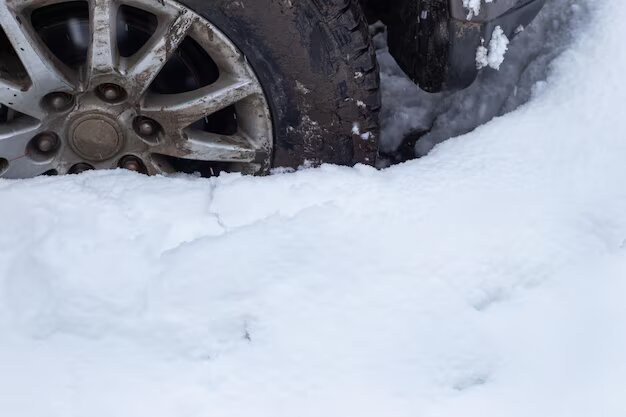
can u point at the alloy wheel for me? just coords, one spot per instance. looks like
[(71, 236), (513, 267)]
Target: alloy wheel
[(145, 85)]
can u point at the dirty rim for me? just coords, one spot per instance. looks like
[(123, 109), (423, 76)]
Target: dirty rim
[(143, 85)]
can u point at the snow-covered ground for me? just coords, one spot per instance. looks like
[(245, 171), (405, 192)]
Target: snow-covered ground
[(485, 279)]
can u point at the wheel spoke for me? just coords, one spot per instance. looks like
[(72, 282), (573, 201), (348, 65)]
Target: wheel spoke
[(45, 71), (14, 138), (15, 135), (204, 146), (24, 167), (181, 110), (102, 56), (153, 56), (16, 98)]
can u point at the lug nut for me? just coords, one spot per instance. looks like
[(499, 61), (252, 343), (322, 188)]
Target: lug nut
[(111, 92), (43, 146), (132, 163), (148, 129), (46, 142), (59, 101), (80, 168)]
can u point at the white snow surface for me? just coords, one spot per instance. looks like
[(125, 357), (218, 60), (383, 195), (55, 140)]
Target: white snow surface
[(485, 279)]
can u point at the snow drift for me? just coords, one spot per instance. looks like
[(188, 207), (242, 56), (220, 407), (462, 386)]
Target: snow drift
[(485, 279)]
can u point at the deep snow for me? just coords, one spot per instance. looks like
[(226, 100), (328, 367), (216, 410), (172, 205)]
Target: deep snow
[(485, 279)]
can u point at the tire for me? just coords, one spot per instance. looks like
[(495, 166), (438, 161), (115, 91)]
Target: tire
[(318, 68)]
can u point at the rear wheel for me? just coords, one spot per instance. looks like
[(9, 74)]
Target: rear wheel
[(190, 86)]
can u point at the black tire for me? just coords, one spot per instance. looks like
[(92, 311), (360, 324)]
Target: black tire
[(318, 68)]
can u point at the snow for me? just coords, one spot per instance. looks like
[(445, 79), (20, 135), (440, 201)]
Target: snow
[(493, 56), (474, 7), (484, 279)]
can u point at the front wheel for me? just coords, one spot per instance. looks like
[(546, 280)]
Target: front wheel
[(190, 86)]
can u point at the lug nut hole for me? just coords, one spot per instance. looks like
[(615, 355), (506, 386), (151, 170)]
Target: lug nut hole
[(59, 102), (148, 129), (80, 168), (111, 93), (43, 147)]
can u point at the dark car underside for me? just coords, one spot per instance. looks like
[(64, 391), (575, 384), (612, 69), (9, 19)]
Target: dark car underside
[(435, 41)]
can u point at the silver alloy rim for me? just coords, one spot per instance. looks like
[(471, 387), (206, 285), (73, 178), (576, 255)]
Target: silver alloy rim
[(104, 115)]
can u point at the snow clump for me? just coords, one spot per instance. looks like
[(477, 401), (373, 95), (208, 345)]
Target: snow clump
[(494, 56)]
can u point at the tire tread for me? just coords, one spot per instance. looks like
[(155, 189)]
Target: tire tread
[(347, 23)]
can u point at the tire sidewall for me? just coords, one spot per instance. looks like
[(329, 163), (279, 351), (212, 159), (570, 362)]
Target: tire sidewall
[(307, 82)]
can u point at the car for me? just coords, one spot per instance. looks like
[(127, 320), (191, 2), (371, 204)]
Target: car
[(211, 86)]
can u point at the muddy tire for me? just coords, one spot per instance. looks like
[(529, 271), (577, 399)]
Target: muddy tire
[(318, 68)]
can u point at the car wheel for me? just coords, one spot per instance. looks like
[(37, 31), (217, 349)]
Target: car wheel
[(184, 86)]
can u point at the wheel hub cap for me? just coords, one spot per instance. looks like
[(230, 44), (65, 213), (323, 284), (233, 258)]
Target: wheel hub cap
[(96, 138)]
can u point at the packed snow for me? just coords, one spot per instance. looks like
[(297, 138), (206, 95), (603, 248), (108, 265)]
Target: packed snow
[(485, 279), (474, 7), (493, 56)]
